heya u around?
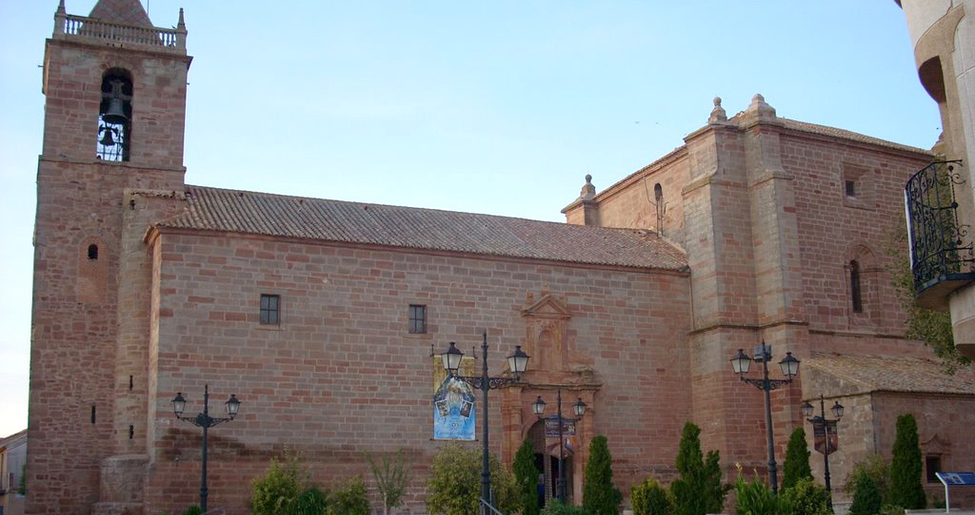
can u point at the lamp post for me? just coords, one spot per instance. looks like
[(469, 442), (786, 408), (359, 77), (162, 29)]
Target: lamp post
[(205, 421), (517, 363), (790, 368), (579, 408), (820, 421)]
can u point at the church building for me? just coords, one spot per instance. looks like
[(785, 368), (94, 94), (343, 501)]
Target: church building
[(319, 316)]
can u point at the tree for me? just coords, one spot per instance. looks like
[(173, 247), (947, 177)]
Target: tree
[(930, 326), (454, 487), (392, 475), (796, 466), (698, 490), (285, 490), (349, 499), (599, 495), (905, 469), (807, 498), (526, 478)]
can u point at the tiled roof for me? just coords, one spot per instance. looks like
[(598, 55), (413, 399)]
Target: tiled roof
[(214, 209), (128, 12), (893, 374), (848, 135)]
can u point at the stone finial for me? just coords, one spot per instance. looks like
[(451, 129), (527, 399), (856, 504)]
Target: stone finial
[(61, 9), (760, 109), (588, 190), (182, 23), (718, 114)]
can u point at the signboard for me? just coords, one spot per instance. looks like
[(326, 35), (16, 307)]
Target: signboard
[(956, 478), (552, 427), (454, 411), (820, 429)]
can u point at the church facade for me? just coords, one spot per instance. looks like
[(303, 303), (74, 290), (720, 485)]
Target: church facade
[(322, 316)]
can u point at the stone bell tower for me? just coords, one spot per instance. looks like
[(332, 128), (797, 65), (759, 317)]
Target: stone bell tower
[(112, 162)]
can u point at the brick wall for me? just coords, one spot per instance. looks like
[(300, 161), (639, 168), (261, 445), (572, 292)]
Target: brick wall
[(342, 375)]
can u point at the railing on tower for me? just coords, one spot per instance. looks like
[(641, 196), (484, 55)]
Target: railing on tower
[(68, 26), (942, 257)]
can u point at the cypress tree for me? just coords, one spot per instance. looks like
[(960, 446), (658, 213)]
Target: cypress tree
[(698, 490), (599, 495), (526, 478), (796, 466), (866, 497), (905, 470)]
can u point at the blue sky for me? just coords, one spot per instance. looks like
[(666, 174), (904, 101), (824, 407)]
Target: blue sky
[(491, 107)]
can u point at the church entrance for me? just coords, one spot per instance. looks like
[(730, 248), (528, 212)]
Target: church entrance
[(547, 461)]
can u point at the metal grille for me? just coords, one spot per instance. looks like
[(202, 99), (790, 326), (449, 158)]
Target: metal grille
[(940, 246)]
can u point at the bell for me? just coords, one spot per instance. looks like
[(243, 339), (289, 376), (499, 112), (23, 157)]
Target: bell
[(107, 139), (116, 111)]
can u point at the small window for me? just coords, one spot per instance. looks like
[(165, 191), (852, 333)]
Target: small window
[(418, 319), (93, 252), (932, 464), (270, 309), (851, 188), (855, 287)]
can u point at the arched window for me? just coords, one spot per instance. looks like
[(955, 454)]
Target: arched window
[(855, 291), (658, 200), (93, 252), (115, 116)]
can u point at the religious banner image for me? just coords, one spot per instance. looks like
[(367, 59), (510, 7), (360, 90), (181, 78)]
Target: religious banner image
[(819, 437), (454, 411)]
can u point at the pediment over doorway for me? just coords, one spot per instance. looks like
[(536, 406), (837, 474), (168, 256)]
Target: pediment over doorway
[(547, 306), (551, 341)]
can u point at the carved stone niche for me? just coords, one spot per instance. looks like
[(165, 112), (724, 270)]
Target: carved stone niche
[(549, 341)]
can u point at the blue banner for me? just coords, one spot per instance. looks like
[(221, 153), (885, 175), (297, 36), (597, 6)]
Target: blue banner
[(453, 411)]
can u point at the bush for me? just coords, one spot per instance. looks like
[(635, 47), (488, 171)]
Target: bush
[(284, 490), (873, 468), (698, 490), (756, 498), (867, 498), (454, 487), (193, 510), (807, 498), (599, 495), (649, 498), (526, 478), (905, 470), (796, 466), (556, 507), (349, 498), (392, 475)]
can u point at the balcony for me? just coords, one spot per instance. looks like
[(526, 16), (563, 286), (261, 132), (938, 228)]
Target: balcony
[(942, 257), (96, 31)]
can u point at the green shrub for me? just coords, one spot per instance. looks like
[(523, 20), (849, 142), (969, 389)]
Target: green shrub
[(193, 510), (873, 467), (599, 495), (22, 487), (867, 498), (807, 498), (698, 490), (350, 498), (454, 487), (756, 498), (796, 466), (890, 509), (649, 498), (313, 501), (555, 507), (392, 475), (526, 478), (905, 469)]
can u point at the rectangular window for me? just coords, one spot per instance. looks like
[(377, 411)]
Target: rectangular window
[(270, 309), (932, 464), (851, 188), (418, 319)]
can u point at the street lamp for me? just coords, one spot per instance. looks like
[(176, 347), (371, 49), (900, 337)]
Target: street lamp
[(205, 421), (790, 368), (517, 363), (579, 408), (821, 424)]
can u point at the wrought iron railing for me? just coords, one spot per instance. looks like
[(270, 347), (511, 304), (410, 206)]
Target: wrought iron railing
[(81, 27), (940, 245)]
